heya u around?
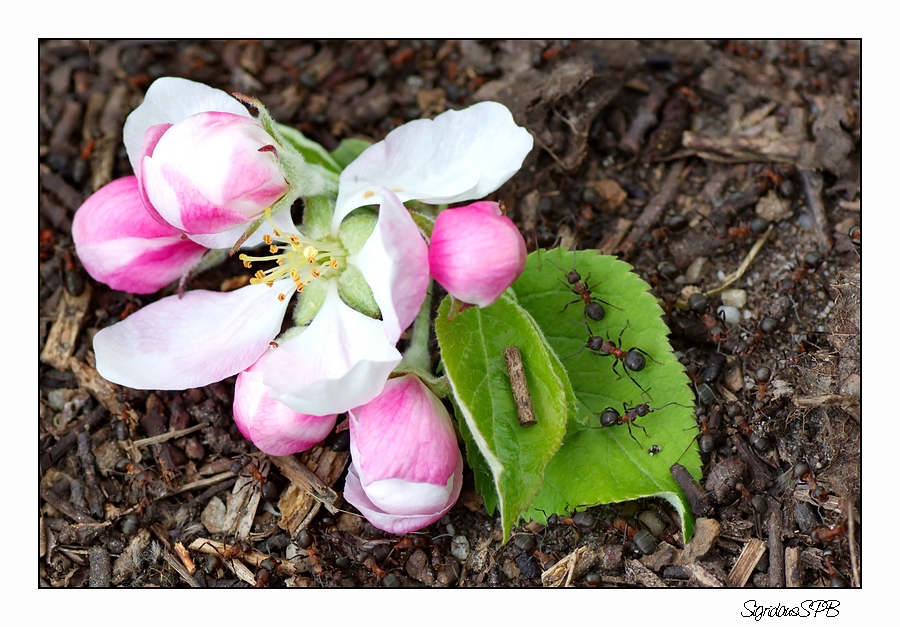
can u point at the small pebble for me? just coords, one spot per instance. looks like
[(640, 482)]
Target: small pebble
[(734, 298), (652, 521), (459, 548), (732, 315), (390, 581)]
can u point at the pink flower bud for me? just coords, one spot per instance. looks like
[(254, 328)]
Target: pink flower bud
[(272, 426), (406, 469), (210, 172), (476, 253), (120, 244)]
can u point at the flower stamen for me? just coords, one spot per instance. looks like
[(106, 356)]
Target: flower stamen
[(297, 258)]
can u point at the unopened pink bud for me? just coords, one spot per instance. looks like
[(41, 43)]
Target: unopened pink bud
[(272, 426), (407, 467), (120, 244), (476, 252)]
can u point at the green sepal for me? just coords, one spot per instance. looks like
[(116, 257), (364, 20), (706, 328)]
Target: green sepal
[(356, 229), (317, 213), (311, 300), (355, 291)]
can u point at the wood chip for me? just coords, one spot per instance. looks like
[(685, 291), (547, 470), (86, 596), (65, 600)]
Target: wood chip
[(185, 557), (60, 342), (792, 569), (179, 568), (746, 562), (610, 242), (304, 497), (561, 574), (702, 577), (130, 559), (638, 574), (706, 532)]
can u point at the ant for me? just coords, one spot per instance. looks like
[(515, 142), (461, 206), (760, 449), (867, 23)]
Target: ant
[(836, 581), (715, 324), (266, 568), (802, 473), (592, 307), (811, 262), (632, 359), (671, 225), (855, 235), (140, 477), (610, 417), (757, 226), (642, 539), (824, 534)]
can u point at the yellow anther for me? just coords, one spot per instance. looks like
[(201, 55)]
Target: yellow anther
[(247, 264), (273, 249), (267, 239), (315, 273), (260, 275), (281, 298), (368, 194), (333, 263)]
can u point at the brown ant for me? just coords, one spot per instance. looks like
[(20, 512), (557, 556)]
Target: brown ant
[(811, 262), (592, 307), (715, 324), (140, 480), (258, 469), (824, 534), (763, 376), (610, 417), (266, 568), (801, 472), (632, 359), (757, 226), (672, 225), (836, 581)]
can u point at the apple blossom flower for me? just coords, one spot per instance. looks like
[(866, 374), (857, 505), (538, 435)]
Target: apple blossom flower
[(121, 245), (406, 469), (475, 252), (273, 427)]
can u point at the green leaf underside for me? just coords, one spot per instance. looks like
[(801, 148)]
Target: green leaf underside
[(605, 465), (348, 150), (313, 152), (505, 455)]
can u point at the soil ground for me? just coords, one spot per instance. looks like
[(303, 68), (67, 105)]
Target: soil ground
[(663, 152)]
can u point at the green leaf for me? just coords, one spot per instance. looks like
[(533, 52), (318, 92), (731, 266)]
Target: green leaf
[(604, 465), (348, 150), (512, 457), (313, 152)]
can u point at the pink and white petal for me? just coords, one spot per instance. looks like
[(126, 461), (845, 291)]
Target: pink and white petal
[(460, 155), (120, 244), (273, 427), (151, 137), (191, 341), (398, 523), (227, 239), (181, 204), (404, 434), (341, 360), (170, 100), (140, 266), (394, 262)]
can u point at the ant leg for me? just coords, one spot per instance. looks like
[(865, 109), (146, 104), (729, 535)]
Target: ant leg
[(643, 390), (616, 372), (628, 424)]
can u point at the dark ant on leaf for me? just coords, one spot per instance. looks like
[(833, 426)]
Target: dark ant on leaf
[(610, 417), (583, 289), (633, 359)]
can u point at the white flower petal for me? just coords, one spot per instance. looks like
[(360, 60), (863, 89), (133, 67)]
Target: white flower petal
[(340, 361), (394, 262), (192, 341), (460, 155), (170, 100)]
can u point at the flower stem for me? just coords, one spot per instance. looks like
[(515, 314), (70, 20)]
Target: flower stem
[(417, 357)]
